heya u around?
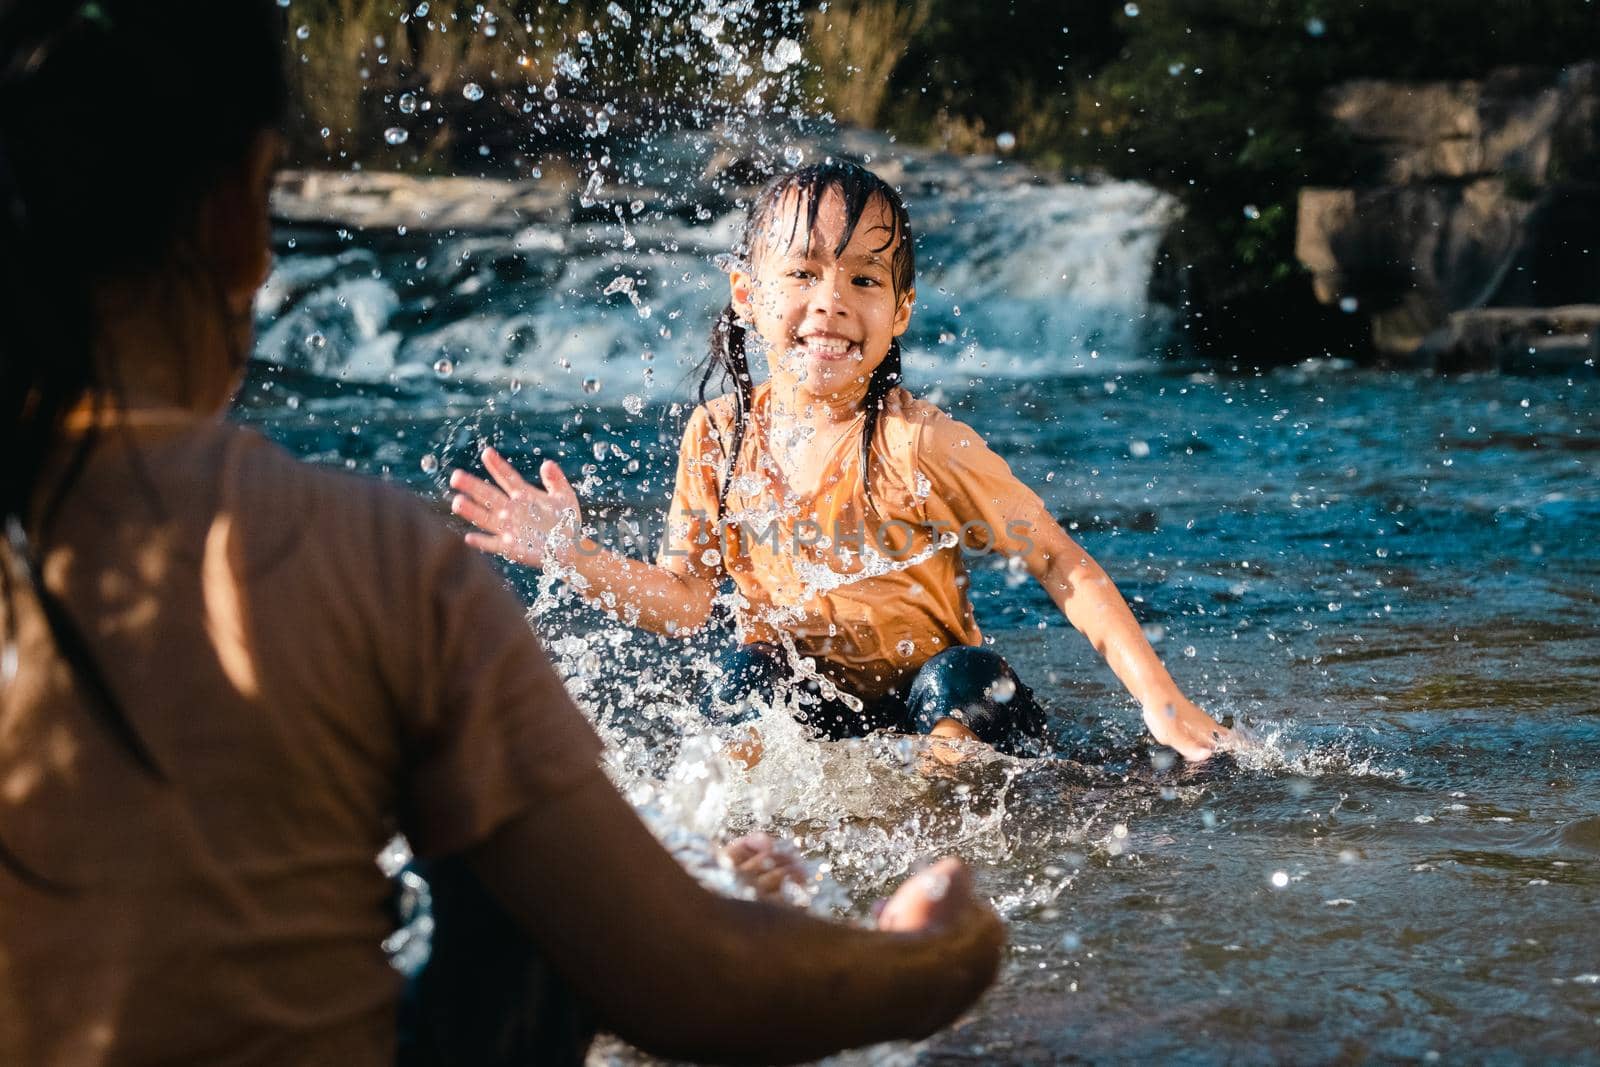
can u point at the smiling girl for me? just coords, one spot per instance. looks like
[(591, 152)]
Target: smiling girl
[(838, 504)]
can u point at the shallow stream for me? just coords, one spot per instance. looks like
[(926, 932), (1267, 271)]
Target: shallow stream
[(1391, 581)]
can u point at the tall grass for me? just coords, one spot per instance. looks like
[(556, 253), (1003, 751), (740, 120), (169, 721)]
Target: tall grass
[(855, 46)]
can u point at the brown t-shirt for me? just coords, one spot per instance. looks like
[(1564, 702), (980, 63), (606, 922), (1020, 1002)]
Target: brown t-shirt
[(315, 662), (871, 588)]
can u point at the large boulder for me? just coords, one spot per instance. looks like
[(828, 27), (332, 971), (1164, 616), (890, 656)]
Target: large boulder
[(1471, 195)]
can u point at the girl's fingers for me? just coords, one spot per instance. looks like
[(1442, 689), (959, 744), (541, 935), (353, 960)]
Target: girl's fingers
[(554, 480), (483, 542), (481, 517), (504, 474), (478, 489)]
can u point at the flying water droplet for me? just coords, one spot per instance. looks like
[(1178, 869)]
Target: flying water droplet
[(430, 464), (633, 404), (408, 103), (620, 15), (785, 54), (444, 367), (1252, 212), (1316, 27), (1349, 304), (396, 135), (906, 648), (591, 385), (1131, 10), (472, 91), (1002, 690), (793, 156), (316, 341), (303, 32), (1006, 141), (1280, 879)]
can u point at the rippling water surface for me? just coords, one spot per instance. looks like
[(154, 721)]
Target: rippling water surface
[(1390, 580)]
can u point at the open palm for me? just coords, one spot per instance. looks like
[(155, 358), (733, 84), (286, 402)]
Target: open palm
[(516, 519)]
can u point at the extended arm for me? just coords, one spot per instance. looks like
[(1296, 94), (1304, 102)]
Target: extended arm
[(1086, 595), (688, 974), (533, 526)]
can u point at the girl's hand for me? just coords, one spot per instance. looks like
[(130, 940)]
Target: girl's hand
[(1181, 724), (520, 521), (764, 865)]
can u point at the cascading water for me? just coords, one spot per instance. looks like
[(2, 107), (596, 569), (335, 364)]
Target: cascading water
[(568, 313)]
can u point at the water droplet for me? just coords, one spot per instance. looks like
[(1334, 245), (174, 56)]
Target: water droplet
[(1175, 69), (284, 3), (785, 54), (421, 11), (316, 341), (1189, 651), (1131, 10), (1349, 304), (711, 557), (408, 103), (303, 32), (906, 648), (1006, 141), (472, 91), (633, 404), (1002, 690), (550, 91), (444, 367), (396, 135), (602, 122), (1138, 449), (430, 464), (1280, 879), (1316, 27), (620, 14), (1252, 212), (793, 156), (591, 385)]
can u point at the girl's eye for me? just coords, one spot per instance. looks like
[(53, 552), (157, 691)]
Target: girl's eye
[(866, 281), (802, 274)]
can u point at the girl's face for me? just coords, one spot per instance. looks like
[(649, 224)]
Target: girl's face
[(827, 320)]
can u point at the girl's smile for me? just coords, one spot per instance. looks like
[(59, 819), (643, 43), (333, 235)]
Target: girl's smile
[(826, 308)]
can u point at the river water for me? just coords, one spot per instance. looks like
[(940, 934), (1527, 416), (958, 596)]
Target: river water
[(1389, 580)]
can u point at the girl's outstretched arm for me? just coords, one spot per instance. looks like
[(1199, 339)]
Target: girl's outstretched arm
[(543, 527), (1086, 595)]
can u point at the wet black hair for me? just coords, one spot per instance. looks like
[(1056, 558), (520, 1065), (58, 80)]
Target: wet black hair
[(117, 117), (859, 188)]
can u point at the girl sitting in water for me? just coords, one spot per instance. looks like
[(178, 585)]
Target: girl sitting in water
[(838, 504)]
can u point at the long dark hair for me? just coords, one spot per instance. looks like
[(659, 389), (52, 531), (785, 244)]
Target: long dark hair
[(858, 187), (116, 118)]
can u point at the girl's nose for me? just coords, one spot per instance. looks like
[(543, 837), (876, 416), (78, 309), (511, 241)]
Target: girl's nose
[(826, 300)]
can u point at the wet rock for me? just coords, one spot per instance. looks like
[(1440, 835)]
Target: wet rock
[(1470, 195), (1515, 339), (367, 200)]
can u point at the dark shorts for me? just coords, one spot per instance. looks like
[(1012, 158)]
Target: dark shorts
[(974, 686), (486, 997)]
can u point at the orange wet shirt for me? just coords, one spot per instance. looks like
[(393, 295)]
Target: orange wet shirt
[(872, 591)]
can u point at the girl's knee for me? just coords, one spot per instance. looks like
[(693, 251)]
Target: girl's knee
[(977, 688)]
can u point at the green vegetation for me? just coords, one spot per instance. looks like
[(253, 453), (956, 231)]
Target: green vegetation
[(1216, 101)]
